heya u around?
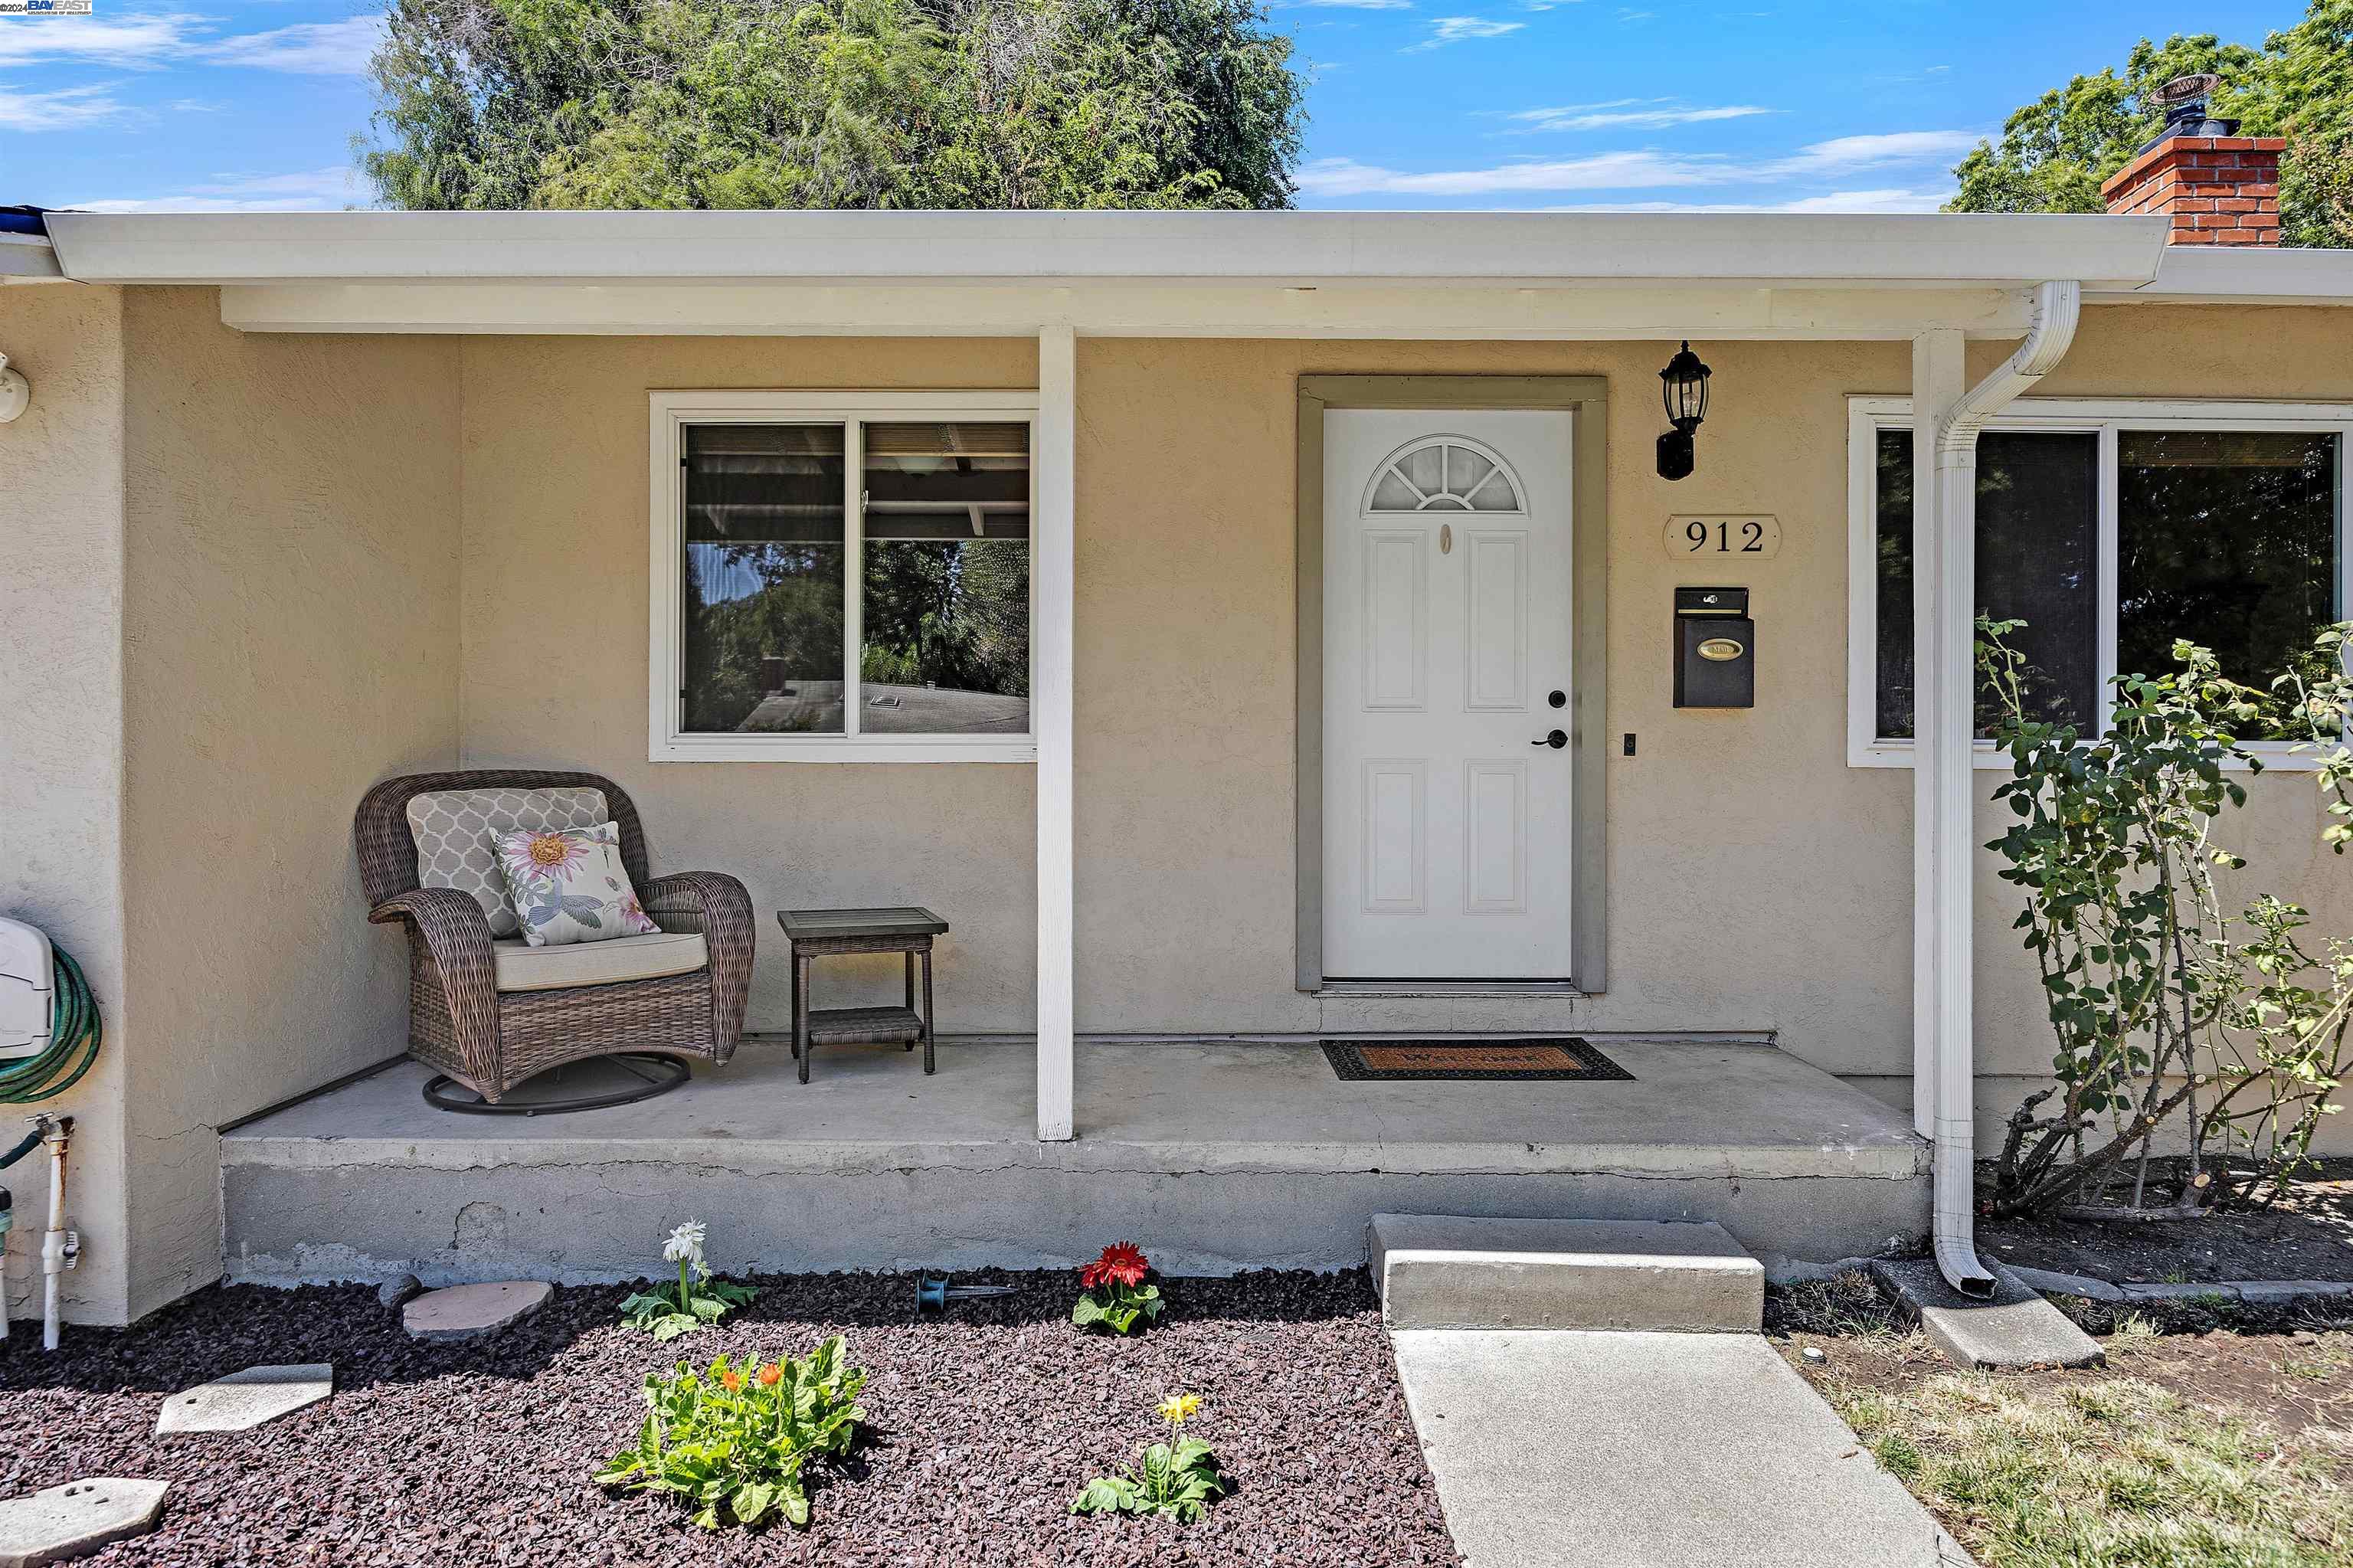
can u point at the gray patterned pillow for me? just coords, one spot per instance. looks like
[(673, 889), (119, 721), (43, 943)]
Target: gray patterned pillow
[(456, 831)]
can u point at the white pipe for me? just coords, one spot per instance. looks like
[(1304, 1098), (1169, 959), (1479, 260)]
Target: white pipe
[(56, 1250), (1951, 791)]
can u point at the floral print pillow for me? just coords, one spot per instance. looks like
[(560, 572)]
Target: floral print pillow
[(568, 885)]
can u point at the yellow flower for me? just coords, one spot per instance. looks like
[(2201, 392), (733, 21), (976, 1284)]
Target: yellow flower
[(1179, 1407)]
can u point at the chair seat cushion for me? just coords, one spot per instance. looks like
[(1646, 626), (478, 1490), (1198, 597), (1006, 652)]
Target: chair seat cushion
[(521, 967)]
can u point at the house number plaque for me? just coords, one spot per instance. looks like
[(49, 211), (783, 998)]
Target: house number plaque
[(1713, 537)]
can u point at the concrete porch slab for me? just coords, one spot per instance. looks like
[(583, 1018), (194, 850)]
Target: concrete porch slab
[(1220, 1154)]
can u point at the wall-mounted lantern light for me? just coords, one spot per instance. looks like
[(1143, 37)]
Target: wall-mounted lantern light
[(1683, 384)]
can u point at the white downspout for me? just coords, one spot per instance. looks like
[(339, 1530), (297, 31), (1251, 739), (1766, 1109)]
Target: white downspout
[(1950, 792)]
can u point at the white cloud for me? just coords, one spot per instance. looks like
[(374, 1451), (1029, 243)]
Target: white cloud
[(1454, 29), (68, 109), (1897, 200), (308, 48), (1630, 113), (137, 41), (311, 190), (1635, 170)]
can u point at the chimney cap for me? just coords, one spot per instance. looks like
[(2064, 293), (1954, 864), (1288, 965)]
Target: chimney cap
[(2196, 87), (2184, 100)]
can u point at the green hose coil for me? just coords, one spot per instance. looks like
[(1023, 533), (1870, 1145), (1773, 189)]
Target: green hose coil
[(74, 1035)]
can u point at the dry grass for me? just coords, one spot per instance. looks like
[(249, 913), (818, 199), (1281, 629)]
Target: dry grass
[(2110, 1472)]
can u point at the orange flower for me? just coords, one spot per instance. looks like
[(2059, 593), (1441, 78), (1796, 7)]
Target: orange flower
[(731, 1380), (771, 1374)]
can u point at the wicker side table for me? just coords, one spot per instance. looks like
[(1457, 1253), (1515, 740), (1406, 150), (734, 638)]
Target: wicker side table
[(816, 933)]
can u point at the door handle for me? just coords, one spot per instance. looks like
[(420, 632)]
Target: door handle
[(1557, 739)]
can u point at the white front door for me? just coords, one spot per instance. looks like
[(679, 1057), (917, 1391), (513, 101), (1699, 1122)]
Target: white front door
[(1446, 671)]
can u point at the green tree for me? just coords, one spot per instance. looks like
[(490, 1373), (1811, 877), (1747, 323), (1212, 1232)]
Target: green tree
[(2054, 152), (833, 104)]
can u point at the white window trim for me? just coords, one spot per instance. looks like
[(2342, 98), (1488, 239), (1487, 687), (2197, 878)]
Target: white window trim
[(1866, 416), (670, 413)]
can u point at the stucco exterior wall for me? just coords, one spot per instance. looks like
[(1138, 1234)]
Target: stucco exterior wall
[(263, 571), (62, 746), (1757, 882), (555, 650), (291, 612)]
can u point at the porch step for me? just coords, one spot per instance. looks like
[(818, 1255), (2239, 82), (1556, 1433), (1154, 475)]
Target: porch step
[(1440, 1271)]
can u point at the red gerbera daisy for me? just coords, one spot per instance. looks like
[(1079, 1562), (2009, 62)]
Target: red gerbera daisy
[(1091, 1275), (1122, 1262)]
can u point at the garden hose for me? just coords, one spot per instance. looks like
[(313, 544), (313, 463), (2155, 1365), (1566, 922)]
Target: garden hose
[(74, 1035)]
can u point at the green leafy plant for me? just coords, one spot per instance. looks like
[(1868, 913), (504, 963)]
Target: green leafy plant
[(2163, 1001), (737, 1441), (1178, 1479), (700, 1300), (1112, 1293)]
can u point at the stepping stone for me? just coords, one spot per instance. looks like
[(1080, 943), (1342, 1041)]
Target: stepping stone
[(465, 1311), (77, 1519), (242, 1401), (1437, 1271)]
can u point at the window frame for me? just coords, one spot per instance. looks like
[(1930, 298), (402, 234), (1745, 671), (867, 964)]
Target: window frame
[(670, 413), (2100, 416)]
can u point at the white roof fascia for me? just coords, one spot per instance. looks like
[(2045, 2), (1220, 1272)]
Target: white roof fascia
[(25, 258), (1299, 249), (1149, 308), (2241, 274)]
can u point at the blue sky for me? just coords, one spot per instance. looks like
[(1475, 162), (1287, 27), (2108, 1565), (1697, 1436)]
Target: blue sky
[(1649, 105)]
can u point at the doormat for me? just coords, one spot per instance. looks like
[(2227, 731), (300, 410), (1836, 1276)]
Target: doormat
[(1565, 1056)]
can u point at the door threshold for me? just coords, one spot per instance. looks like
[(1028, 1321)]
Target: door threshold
[(1446, 988)]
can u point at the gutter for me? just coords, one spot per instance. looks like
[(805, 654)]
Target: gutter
[(27, 259), (2057, 306)]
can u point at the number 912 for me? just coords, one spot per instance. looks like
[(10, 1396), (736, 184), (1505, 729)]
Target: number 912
[(1725, 537)]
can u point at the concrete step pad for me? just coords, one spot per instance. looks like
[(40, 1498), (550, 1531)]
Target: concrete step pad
[(1624, 1450), (1439, 1271)]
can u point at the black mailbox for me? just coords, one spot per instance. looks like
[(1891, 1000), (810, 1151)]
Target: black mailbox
[(1716, 649)]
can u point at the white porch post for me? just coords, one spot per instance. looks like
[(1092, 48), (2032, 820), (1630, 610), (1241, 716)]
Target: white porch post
[(1053, 585), (1943, 730)]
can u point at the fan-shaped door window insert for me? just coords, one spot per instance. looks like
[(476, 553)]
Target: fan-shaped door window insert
[(1444, 473)]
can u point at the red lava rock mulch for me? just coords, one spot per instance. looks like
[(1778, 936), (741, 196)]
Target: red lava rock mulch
[(983, 1424)]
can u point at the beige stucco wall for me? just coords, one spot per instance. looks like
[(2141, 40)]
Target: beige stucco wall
[(1757, 880), (61, 746), (291, 612), (556, 661), (285, 567)]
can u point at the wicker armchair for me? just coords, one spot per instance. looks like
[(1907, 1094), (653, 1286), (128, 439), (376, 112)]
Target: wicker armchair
[(461, 1023)]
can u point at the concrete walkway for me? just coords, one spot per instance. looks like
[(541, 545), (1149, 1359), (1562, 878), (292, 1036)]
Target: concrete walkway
[(1643, 1451)]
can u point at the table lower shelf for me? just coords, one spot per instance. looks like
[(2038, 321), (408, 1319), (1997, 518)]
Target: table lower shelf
[(864, 1026)]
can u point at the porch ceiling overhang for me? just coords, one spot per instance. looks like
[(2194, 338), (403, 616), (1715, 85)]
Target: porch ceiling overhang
[(1490, 274)]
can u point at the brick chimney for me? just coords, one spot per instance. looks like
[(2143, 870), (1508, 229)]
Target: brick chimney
[(2218, 187)]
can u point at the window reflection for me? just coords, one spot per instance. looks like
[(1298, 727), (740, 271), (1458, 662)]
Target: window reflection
[(2228, 539), (762, 580), (945, 628)]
